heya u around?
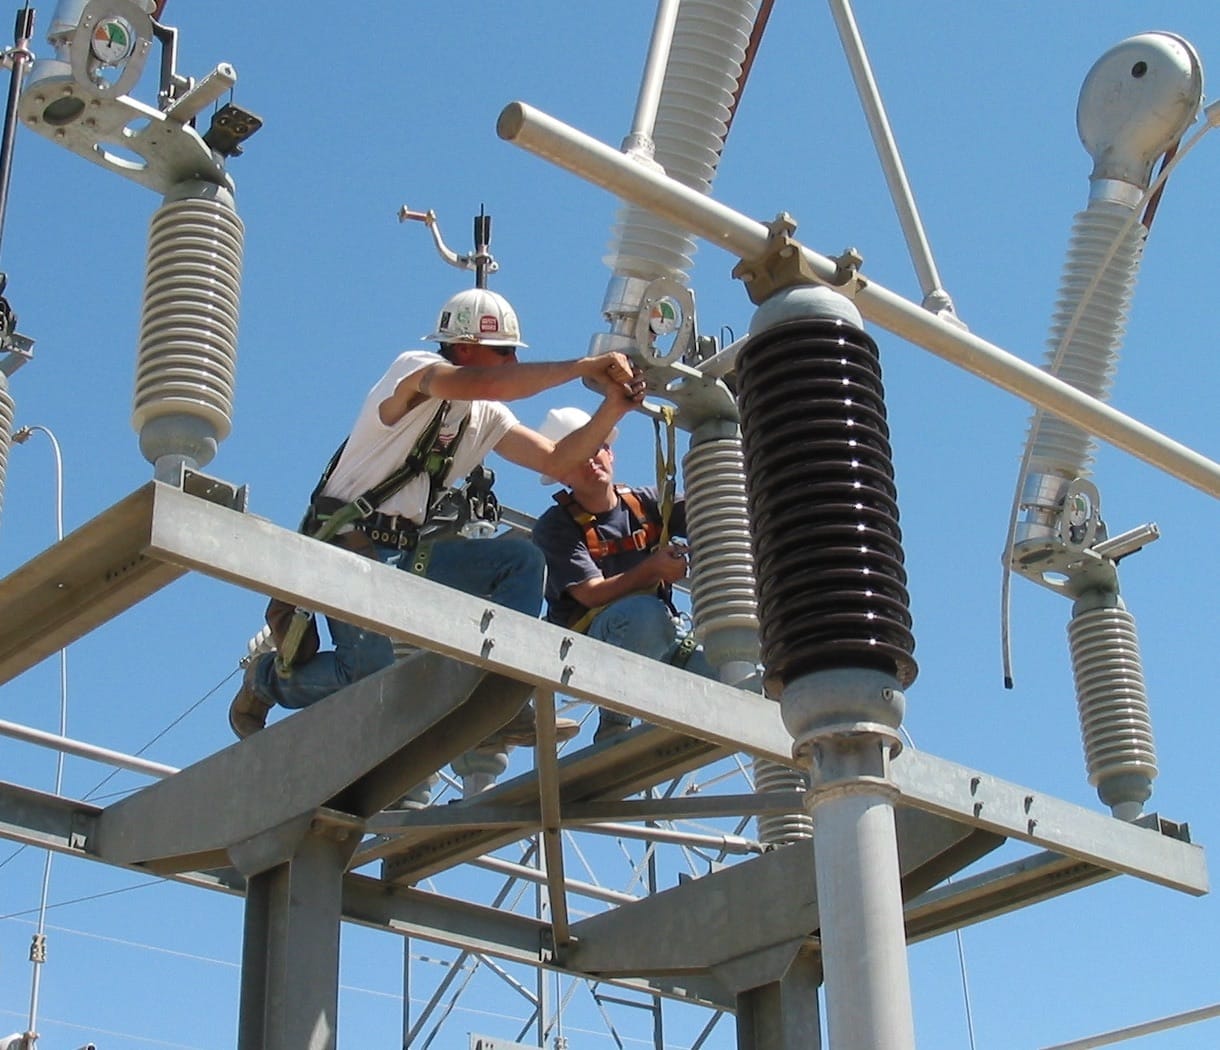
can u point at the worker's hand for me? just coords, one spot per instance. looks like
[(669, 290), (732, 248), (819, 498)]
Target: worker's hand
[(668, 563), (615, 375)]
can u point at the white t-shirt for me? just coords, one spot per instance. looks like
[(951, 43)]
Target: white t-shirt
[(374, 451)]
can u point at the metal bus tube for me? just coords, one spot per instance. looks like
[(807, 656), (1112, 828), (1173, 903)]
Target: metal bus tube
[(747, 238)]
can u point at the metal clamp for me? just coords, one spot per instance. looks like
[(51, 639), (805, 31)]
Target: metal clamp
[(782, 265)]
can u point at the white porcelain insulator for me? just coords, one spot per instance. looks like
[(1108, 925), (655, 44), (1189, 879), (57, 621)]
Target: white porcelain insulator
[(723, 597), (7, 410), (705, 62), (780, 829), (1091, 354), (187, 351), (1111, 700)]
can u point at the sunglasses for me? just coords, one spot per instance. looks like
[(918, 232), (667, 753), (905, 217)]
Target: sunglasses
[(503, 351)]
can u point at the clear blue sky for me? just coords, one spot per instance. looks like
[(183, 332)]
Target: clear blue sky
[(370, 107)]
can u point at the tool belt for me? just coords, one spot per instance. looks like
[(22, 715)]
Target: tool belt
[(389, 530), (386, 530)]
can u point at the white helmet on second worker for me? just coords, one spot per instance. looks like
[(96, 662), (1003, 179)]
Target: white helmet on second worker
[(559, 423), (477, 315)]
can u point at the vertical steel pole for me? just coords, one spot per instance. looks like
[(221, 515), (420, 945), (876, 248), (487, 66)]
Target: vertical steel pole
[(20, 57), (835, 625)]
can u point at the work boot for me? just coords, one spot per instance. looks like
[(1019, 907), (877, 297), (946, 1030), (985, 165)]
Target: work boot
[(522, 731), (610, 726), (248, 711)]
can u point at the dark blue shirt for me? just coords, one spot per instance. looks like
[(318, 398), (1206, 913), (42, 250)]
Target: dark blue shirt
[(568, 561)]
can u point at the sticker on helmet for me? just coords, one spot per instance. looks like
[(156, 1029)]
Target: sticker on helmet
[(489, 323)]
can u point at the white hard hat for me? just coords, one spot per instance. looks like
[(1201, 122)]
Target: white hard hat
[(477, 315), (559, 423)]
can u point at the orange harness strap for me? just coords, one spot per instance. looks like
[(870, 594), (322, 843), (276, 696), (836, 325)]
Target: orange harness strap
[(643, 538)]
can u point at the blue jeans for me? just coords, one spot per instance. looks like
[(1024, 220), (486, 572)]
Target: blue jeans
[(507, 570), (641, 623)]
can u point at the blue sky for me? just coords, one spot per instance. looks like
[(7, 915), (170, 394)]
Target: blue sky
[(369, 108)]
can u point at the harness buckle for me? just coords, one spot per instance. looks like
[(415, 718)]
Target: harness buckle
[(364, 506)]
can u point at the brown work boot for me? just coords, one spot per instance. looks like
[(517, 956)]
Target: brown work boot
[(522, 731), (248, 711)]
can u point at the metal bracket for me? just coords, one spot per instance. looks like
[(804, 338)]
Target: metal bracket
[(667, 309), (214, 490), (85, 65), (18, 349), (847, 272), (783, 265)]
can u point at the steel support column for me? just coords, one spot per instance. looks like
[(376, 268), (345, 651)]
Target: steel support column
[(868, 992), (845, 724), (290, 949), (783, 1013)]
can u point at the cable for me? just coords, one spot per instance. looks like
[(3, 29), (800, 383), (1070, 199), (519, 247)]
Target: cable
[(120, 1035), (961, 947), (91, 794), (84, 900), (38, 946), (141, 945), (206, 696)]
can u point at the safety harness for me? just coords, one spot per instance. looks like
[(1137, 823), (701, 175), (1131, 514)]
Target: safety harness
[(646, 535), (667, 486), (327, 516), (650, 530)]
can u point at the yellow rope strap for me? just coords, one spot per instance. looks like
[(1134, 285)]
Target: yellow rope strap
[(666, 467)]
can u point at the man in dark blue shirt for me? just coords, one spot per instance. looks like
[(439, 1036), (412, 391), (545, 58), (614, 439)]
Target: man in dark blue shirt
[(608, 572)]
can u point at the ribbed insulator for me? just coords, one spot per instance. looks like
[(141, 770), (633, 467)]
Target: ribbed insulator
[(780, 829), (705, 60), (1091, 354), (479, 769), (260, 643), (188, 333), (722, 573), (823, 504), (1113, 706), (7, 408)]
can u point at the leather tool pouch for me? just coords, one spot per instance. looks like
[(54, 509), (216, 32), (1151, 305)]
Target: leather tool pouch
[(279, 613)]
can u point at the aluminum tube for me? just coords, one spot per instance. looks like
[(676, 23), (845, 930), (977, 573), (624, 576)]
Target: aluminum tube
[(530, 128), (645, 118), (76, 747), (746, 238), (526, 874), (210, 89), (868, 990), (887, 149), (726, 843), (1121, 1035)]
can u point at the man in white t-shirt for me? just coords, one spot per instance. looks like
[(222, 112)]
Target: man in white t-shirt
[(457, 397)]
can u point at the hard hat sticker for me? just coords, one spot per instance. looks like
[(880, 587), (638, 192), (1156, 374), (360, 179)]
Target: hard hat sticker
[(488, 323)]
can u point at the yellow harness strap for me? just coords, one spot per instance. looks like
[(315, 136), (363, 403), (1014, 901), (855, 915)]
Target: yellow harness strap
[(666, 467), (666, 489), (647, 537)]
